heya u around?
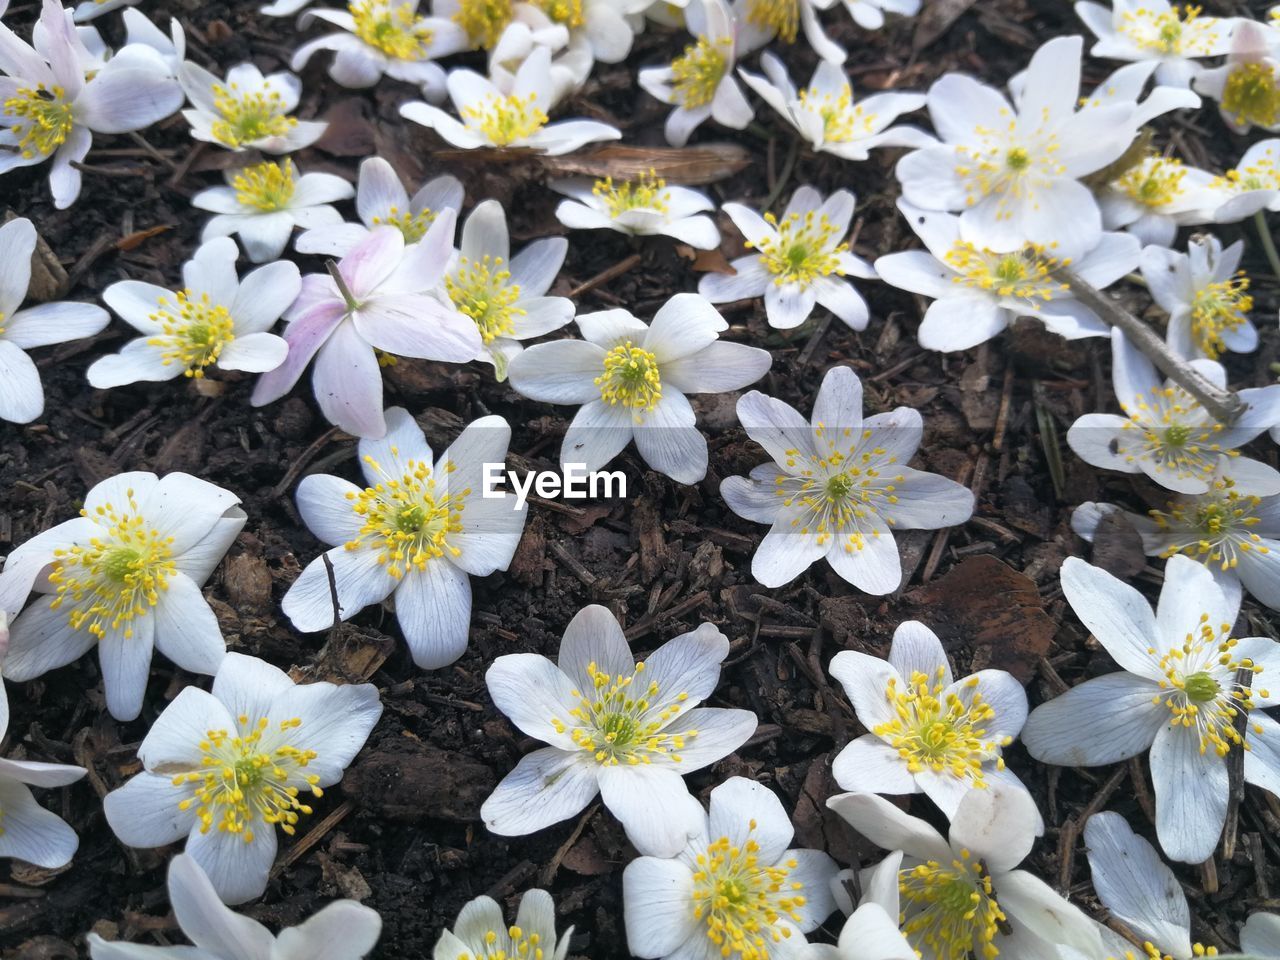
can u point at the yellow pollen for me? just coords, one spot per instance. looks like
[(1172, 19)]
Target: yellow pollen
[(1174, 434), (45, 119), (950, 910), (1027, 275), (1177, 30), (841, 120), (506, 120), (696, 75), (251, 775), (631, 378), (248, 117), (567, 13), (408, 517), (745, 906), (649, 192), (512, 944), (483, 20), (943, 734), (392, 27), (412, 225), (621, 719), (1214, 528), (806, 248), (780, 16), (195, 331), (1217, 309), (1251, 95), (1261, 174), (117, 577), (482, 289), (266, 186), (1154, 182)]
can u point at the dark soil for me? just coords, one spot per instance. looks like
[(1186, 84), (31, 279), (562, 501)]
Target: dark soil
[(402, 832)]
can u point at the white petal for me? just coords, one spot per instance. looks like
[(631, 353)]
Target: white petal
[(1117, 614), (594, 636), (186, 629), (532, 691), (144, 812), (888, 827), (433, 607), (1104, 720), (547, 786), (653, 806), (657, 898), (237, 870), (207, 922), (31, 832), (1191, 795)]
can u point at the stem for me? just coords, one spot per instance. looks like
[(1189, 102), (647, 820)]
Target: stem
[(787, 166), (1268, 243), (1225, 406), (341, 284)]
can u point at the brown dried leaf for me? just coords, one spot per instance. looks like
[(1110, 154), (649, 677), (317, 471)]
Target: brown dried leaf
[(705, 163)]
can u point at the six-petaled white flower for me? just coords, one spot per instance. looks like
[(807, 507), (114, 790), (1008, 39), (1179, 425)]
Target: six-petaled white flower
[(216, 319), (384, 37), (839, 487), (826, 115), (929, 733), (734, 890), (28, 831), (801, 261), (416, 534), (1177, 694), (1167, 434), (506, 296), (1206, 297), (631, 379), (480, 931), (247, 111), (1015, 172), (1173, 36), (962, 895), (262, 204), (21, 393), (1236, 535), (700, 83), (517, 118), (978, 292), (379, 297), (625, 730), (125, 575), (642, 207), (382, 201), (49, 108), (343, 930), (224, 769)]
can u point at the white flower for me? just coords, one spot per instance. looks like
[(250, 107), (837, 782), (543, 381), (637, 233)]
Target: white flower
[(643, 207), (1175, 694), (124, 575), (1247, 86), (978, 292), (28, 831), (869, 14), (385, 37), (1252, 185), (929, 733), (381, 299), (49, 109), (381, 200), (505, 296), (343, 930), (735, 890), (1167, 434), (1015, 171), (964, 896), (223, 769), (1260, 935), (416, 535), (631, 380), (87, 10), (139, 31), (262, 204), (1236, 535), (480, 931), (492, 118), (247, 111), (1206, 298), (760, 21), (838, 487), (827, 117), (1155, 196), (1173, 36), (869, 934), (21, 394), (700, 82), (1138, 889), (215, 320), (625, 730), (1124, 87), (802, 260)]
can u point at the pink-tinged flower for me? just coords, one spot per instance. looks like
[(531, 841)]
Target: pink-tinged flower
[(379, 297)]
